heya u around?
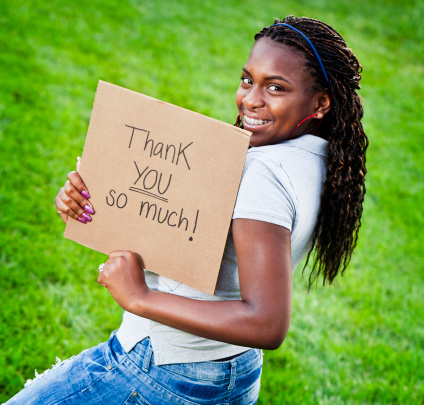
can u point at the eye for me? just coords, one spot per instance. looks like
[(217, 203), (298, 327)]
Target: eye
[(274, 87), (246, 80)]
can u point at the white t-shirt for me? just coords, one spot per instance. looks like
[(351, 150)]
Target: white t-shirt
[(281, 184)]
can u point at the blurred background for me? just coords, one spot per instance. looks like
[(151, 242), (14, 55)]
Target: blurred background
[(358, 342)]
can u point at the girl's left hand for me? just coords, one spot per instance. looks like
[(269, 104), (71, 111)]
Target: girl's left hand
[(123, 276)]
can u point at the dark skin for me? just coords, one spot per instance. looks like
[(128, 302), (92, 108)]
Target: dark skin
[(277, 88), (261, 317)]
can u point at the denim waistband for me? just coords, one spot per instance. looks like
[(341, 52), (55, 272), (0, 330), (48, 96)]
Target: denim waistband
[(142, 354)]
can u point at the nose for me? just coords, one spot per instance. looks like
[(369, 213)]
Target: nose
[(253, 98)]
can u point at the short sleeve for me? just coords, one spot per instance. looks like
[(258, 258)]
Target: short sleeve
[(265, 193)]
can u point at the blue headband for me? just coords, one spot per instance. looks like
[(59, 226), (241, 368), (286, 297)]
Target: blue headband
[(312, 46)]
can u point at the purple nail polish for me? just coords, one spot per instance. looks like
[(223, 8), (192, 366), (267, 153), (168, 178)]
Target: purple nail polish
[(85, 194), (89, 209), (82, 220), (86, 217)]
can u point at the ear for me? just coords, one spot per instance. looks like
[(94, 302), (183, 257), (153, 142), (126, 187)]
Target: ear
[(323, 104)]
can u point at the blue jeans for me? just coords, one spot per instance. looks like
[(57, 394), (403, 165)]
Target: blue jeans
[(107, 375)]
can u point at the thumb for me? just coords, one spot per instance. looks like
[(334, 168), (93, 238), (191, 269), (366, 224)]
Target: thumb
[(78, 164)]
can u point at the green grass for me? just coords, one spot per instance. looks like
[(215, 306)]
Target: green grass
[(360, 342)]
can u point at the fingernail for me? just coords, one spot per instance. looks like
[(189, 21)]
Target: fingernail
[(89, 209), (85, 194), (82, 220), (86, 217)]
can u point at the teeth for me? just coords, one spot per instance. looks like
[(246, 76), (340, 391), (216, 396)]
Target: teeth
[(252, 121)]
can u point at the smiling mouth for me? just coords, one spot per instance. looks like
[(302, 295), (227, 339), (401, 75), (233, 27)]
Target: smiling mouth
[(255, 122)]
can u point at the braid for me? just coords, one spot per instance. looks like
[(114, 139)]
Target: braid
[(339, 219)]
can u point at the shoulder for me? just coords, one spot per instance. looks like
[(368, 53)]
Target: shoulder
[(299, 160), (305, 147), (277, 178)]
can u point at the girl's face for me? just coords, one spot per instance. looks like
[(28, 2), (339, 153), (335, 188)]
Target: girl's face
[(276, 93)]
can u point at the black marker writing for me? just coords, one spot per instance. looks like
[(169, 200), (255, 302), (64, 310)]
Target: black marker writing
[(139, 190), (195, 225), (163, 151), (121, 201), (152, 178), (171, 218), (132, 133)]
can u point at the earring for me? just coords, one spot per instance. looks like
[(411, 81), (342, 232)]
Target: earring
[(238, 122), (301, 122)]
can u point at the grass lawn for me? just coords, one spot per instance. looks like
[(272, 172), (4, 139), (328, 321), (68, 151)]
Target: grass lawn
[(359, 342)]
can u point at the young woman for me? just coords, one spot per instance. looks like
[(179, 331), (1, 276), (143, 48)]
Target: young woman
[(302, 189)]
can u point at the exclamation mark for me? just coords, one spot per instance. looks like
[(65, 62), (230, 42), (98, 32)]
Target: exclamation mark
[(195, 224)]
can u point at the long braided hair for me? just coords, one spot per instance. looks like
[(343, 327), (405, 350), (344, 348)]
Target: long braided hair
[(339, 219)]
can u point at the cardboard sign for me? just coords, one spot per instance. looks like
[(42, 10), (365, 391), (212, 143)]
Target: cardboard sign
[(163, 182)]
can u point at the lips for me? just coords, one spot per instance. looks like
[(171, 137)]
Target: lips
[(255, 121)]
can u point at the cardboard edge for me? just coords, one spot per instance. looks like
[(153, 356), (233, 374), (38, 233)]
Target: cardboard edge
[(232, 211), (81, 244), (242, 131)]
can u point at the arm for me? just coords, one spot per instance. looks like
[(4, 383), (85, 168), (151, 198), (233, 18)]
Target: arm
[(260, 319)]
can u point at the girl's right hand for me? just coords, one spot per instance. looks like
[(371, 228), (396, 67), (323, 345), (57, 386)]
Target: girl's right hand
[(72, 199)]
